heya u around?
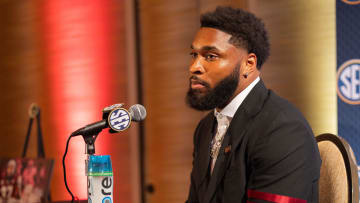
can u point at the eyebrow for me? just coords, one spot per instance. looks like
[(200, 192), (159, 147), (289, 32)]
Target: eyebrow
[(206, 48)]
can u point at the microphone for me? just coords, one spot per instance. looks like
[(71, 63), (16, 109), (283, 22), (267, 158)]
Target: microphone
[(138, 112), (115, 117), (106, 111)]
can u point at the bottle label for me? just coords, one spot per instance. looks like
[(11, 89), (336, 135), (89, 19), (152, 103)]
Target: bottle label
[(100, 189)]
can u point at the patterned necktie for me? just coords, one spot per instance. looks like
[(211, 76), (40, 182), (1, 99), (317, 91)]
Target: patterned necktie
[(223, 124)]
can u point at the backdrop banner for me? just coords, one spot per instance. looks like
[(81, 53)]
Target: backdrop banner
[(348, 72)]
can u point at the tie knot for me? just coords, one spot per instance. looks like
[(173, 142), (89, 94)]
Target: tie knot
[(221, 119)]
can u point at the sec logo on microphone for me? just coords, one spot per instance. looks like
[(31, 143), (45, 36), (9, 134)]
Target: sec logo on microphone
[(348, 81), (119, 119)]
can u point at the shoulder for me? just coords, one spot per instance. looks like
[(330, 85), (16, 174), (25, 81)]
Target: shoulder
[(285, 129), (284, 113)]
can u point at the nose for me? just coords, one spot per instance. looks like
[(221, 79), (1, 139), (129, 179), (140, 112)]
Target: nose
[(196, 66)]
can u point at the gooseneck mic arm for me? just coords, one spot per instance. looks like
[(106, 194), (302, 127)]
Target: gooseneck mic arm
[(91, 129), (90, 133)]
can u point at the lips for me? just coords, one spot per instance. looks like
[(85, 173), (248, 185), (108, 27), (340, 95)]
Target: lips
[(195, 83)]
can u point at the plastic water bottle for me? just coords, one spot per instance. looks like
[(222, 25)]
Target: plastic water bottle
[(100, 179)]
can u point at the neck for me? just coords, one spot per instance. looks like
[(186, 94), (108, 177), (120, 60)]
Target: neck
[(243, 84)]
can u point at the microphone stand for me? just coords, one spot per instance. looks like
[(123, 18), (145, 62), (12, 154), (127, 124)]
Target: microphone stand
[(90, 143), (89, 151), (90, 133)]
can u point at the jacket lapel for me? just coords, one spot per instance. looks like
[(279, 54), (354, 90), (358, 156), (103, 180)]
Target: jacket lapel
[(237, 129), (204, 156), (251, 106), (219, 169)]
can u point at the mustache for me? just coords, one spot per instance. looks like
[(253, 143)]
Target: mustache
[(199, 81)]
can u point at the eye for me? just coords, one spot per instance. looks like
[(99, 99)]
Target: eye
[(211, 57), (193, 54)]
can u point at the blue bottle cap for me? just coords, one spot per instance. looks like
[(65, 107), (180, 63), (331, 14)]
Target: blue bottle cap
[(100, 166)]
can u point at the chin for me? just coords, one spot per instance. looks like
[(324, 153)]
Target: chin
[(199, 91)]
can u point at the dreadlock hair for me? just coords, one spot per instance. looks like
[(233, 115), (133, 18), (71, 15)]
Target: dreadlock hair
[(247, 30)]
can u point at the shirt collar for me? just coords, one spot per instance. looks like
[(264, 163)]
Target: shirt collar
[(231, 108)]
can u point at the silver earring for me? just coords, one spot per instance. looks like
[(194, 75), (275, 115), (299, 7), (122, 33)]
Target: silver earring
[(246, 75)]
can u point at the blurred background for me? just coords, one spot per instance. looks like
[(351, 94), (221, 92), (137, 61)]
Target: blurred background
[(75, 57)]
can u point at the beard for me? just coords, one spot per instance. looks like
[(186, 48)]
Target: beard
[(217, 97)]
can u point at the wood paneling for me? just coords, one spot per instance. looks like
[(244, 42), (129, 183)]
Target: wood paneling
[(84, 56), (20, 78), (132, 97), (25, 78), (167, 30), (210, 5), (302, 63)]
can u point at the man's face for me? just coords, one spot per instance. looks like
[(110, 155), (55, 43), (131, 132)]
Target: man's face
[(214, 70)]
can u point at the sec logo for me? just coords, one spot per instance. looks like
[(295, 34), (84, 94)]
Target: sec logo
[(348, 82), (119, 119), (106, 200), (351, 1)]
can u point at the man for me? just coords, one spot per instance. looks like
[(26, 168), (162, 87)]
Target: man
[(253, 146), (10, 183)]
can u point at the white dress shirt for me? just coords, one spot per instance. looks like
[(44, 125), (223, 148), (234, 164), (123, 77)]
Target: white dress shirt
[(231, 108), (224, 118)]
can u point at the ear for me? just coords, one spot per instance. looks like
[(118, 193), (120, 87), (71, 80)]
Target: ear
[(250, 66), (251, 63)]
